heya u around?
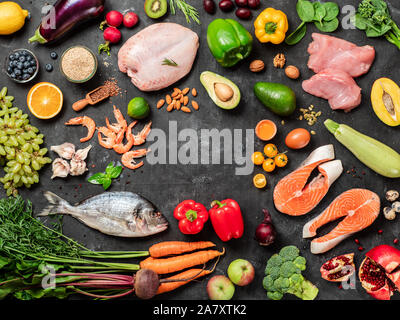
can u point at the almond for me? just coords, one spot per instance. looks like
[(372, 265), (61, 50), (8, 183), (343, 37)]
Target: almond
[(171, 106), (194, 92), (160, 103), (174, 94), (186, 109), (292, 72), (195, 105), (257, 66), (185, 100), (168, 99), (177, 104), (185, 91)]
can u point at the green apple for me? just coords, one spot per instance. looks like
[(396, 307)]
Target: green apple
[(220, 288), (241, 272)]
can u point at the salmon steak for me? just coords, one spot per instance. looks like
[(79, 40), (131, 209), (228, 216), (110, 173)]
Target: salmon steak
[(293, 196), (360, 207)]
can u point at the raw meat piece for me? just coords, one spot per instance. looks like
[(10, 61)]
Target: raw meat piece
[(334, 53), (360, 207), (340, 89), (142, 56), (293, 197)]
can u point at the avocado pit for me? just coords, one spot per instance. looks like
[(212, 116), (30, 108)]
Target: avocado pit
[(223, 91)]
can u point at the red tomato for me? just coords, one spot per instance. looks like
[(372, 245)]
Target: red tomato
[(298, 138)]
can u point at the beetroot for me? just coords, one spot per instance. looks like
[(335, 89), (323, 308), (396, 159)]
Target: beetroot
[(131, 19), (146, 284)]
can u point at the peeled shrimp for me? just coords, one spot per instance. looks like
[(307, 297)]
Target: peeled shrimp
[(128, 158), (142, 136), (109, 141)]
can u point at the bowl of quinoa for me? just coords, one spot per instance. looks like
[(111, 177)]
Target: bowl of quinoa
[(78, 64)]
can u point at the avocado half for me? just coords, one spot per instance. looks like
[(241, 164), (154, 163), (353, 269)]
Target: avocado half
[(209, 79)]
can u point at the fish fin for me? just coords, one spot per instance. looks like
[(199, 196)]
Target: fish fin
[(57, 205)]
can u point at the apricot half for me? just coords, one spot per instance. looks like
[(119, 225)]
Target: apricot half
[(385, 99)]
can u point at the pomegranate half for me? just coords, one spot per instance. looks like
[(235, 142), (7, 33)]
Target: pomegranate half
[(339, 268), (376, 272)]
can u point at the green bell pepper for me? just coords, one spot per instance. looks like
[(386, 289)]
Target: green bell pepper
[(229, 41)]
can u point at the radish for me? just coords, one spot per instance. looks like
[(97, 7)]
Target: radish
[(111, 35), (131, 19), (113, 19)]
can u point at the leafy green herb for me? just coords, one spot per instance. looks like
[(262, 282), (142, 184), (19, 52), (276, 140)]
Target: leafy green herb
[(169, 62), (105, 178), (324, 16), (189, 11)]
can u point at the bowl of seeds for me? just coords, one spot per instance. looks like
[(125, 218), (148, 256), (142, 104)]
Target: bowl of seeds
[(78, 64)]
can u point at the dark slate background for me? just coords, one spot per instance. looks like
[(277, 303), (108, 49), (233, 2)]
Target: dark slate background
[(167, 185)]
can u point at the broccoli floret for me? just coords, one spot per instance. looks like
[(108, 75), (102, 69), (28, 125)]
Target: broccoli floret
[(283, 275), (289, 253)]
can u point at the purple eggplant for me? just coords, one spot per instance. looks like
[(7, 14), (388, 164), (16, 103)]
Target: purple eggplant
[(68, 13)]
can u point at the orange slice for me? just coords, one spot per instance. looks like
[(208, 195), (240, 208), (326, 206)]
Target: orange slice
[(45, 100)]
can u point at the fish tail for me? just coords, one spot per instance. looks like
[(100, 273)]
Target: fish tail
[(57, 205)]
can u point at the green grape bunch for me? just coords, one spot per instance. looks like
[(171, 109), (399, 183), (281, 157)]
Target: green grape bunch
[(20, 153)]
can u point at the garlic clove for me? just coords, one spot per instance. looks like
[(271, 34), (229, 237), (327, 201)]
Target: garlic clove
[(82, 154), (77, 167), (60, 168), (65, 150)]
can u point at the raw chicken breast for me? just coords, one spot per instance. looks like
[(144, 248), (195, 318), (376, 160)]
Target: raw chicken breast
[(340, 89), (330, 52), (142, 56)]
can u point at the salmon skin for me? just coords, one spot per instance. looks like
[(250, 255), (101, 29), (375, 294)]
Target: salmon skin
[(293, 196), (360, 207)]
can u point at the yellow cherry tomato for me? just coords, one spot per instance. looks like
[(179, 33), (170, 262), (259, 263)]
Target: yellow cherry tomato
[(270, 150), (281, 160), (257, 158), (269, 165), (259, 181)]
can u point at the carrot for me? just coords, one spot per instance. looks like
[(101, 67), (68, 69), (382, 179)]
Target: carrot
[(169, 248), (177, 263), (191, 273)]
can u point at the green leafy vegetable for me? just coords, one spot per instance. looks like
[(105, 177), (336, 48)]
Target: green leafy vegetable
[(327, 26), (305, 10), (283, 275), (332, 10), (189, 11), (320, 11), (297, 35), (169, 62), (105, 179), (374, 18)]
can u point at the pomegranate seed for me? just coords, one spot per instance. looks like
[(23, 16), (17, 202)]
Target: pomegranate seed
[(380, 231), (340, 286), (360, 248), (396, 241), (357, 241)]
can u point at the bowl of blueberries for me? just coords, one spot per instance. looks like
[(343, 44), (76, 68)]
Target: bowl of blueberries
[(22, 65)]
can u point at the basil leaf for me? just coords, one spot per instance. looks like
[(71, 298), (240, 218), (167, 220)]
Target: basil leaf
[(320, 12), (305, 10), (114, 172), (97, 178), (332, 11), (106, 183), (109, 167), (297, 35), (327, 26)]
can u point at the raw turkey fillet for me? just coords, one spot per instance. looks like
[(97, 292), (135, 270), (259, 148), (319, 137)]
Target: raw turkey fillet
[(142, 56), (337, 86), (334, 53)]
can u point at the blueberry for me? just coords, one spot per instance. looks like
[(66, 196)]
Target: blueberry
[(33, 63), (11, 57), (27, 64), (9, 70), (17, 72), (26, 76), (16, 55), (29, 57), (20, 65), (22, 58), (54, 55), (30, 71), (12, 75), (11, 64), (49, 67), (34, 68)]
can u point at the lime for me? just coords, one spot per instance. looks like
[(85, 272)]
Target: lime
[(138, 108)]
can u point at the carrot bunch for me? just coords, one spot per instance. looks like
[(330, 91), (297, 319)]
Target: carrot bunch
[(172, 256)]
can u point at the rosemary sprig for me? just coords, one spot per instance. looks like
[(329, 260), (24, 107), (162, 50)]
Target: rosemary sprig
[(169, 62), (188, 10)]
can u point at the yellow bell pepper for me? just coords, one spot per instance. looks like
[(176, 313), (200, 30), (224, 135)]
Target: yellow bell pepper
[(271, 26)]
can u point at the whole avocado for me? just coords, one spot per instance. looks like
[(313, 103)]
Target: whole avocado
[(277, 97)]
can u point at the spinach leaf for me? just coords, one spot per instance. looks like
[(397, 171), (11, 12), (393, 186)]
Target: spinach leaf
[(332, 10), (320, 12), (359, 22), (327, 26), (373, 32), (305, 10), (297, 35)]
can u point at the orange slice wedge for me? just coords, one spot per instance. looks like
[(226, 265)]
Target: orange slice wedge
[(45, 100)]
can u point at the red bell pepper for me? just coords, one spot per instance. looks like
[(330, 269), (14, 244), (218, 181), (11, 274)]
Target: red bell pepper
[(226, 219), (191, 216)]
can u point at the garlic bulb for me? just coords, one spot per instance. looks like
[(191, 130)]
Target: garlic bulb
[(81, 154), (77, 167), (60, 168), (65, 150)]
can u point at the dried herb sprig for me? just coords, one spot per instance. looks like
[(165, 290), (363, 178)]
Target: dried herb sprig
[(188, 10)]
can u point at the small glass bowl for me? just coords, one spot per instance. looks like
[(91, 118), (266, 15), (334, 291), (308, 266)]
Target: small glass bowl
[(94, 69), (7, 60)]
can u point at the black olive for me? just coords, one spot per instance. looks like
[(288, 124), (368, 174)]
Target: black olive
[(54, 55), (49, 67)]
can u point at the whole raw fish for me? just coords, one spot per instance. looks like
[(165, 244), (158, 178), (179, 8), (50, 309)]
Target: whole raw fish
[(122, 214)]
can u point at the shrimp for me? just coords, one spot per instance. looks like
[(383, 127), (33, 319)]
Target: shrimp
[(124, 148), (109, 141), (120, 127), (128, 158), (84, 121), (141, 137)]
